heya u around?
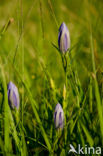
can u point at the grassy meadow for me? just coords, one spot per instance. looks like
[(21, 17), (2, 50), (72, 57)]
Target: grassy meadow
[(29, 57)]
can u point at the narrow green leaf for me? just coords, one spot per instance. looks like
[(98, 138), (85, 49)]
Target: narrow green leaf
[(97, 94), (6, 111), (89, 138), (34, 105)]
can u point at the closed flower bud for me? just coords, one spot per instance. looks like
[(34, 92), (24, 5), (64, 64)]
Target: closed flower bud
[(13, 96), (64, 92), (59, 117), (63, 38), (52, 83)]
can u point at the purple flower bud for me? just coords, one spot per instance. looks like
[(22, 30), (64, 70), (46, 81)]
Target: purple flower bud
[(59, 117), (13, 96), (63, 38)]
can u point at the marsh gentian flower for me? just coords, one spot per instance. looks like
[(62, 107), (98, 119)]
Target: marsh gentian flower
[(59, 117), (13, 96), (63, 38)]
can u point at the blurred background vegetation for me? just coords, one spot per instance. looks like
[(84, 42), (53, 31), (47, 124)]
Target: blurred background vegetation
[(26, 44)]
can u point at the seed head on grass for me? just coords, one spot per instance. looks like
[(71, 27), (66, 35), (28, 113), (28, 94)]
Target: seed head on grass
[(59, 117), (13, 96), (63, 38)]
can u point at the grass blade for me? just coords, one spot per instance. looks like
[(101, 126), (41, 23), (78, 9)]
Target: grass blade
[(6, 111), (34, 104), (89, 138), (8, 120), (97, 94)]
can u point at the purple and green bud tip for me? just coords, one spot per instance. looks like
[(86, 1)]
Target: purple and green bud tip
[(13, 96), (59, 117), (63, 38)]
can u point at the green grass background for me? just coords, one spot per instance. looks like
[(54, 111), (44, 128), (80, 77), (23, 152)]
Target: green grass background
[(29, 59)]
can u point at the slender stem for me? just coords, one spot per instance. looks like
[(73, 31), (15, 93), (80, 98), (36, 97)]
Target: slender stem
[(65, 65)]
